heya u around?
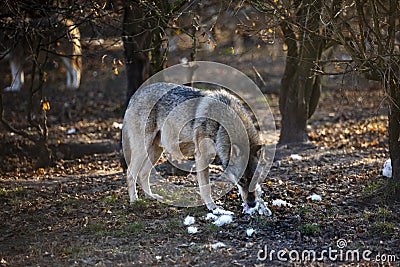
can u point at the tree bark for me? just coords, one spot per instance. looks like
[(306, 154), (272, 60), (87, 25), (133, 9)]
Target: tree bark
[(390, 81), (393, 188), (299, 94), (291, 104), (300, 89), (136, 35), (142, 30)]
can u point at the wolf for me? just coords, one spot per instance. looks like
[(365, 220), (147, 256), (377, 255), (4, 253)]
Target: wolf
[(189, 122), (42, 38)]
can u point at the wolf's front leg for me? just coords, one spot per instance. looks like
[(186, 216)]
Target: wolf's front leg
[(205, 189), (204, 180)]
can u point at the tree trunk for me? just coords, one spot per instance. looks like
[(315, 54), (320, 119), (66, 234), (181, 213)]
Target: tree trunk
[(142, 34), (300, 89), (299, 93), (136, 35), (43, 153), (291, 104), (393, 188)]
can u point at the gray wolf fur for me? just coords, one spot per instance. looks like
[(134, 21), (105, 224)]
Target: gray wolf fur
[(184, 122), (42, 37)]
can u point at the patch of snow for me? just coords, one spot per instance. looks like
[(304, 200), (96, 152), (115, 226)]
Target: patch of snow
[(220, 211), (315, 197), (189, 220), (117, 125), (280, 203), (211, 216), (295, 157), (263, 210), (218, 245), (387, 168), (220, 216), (184, 61), (250, 231), (223, 219), (71, 131), (192, 229)]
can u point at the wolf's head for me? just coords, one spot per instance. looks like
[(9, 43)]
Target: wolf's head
[(247, 184)]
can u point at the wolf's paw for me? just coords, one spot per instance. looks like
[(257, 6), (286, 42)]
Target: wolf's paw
[(133, 198), (211, 206), (260, 208), (155, 196)]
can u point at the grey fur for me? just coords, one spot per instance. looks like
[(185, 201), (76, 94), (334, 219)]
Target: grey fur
[(204, 122)]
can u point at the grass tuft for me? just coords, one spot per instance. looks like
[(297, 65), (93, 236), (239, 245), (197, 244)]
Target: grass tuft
[(309, 229)]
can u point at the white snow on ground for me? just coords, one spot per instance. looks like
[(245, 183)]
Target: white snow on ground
[(223, 219), (117, 125), (220, 211), (192, 229), (71, 131), (218, 245), (250, 231), (295, 157), (280, 203), (211, 216), (315, 197), (220, 216), (387, 168), (189, 220), (183, 60)]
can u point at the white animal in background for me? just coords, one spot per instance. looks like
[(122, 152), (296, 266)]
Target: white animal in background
[(44, 37)]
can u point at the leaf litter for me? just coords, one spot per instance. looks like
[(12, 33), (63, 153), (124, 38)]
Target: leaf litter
[(77, 212)]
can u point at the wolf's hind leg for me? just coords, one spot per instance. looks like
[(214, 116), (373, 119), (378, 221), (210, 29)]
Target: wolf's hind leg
[(134, 160), (153, 154), (131, 178), (72, 73)]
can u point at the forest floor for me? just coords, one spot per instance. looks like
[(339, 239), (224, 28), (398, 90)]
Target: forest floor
[(77, 213)]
